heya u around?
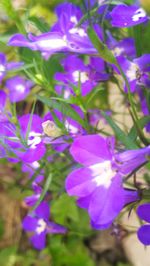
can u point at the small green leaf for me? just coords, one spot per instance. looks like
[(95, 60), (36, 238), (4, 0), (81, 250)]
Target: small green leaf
[(44, 191), (39, 23), (121, 136), (102, 49), (64, 207), (142, 122)]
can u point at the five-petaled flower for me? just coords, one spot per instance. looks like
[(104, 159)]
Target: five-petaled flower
[(98, 184), (38, 223)]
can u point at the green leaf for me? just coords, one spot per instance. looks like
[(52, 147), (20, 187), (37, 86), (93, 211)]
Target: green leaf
[(64, 108), (39, 23), (13, 14), (133, 134), (8, 256), (120, 135), (64, 207), (44, 191), (102, 49)]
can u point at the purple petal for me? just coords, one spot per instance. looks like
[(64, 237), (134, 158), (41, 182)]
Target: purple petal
[(91, 149), (39, 240), (36, 125), (3, 97), (84, 202), (18, 88), (43, 210), (144, 234), (2, 59), (32, 154), (143, 212), (106, 203), (130, 160), (53, 228), (79, 182), (100, 227), (29, 223), (127, 16), (14, 65), (19, 40)]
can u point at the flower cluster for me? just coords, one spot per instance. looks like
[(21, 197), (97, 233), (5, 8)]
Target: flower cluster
[(75, 120)]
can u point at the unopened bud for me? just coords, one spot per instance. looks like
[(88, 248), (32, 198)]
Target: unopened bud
[(51, 130)]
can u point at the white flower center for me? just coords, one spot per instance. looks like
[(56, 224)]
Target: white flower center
[(2, 68), (33, 139), (103, 173), (20, 88), (82, 76), (35, 165), (132, 72), (41, 226), (52, 43), (140, 13), (118, 51), (73, 19), (70, 128), (79, 31)]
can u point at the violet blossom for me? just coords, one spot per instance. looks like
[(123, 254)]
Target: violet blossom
[(65, 35), (136, 71), (25, 144), (98, 185), (127, 16), (5, 66), (38, 223), (143, 233), (78, 74), (18, 88)]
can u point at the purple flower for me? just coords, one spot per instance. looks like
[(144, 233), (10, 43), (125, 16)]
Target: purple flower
[(137, 71), (125, 47), (77, 73), (64, 36), (4, 66), (98, 184), (143, 233), (18, 88), (32, 199), (27, 145), (128, 16), (38, 223)]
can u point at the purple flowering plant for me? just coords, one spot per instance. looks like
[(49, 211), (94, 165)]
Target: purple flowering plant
[(75, 120)]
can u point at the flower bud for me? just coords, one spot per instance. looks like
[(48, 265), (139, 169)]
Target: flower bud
[(51, 130)]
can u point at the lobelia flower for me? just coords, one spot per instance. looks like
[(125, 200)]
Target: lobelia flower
[(3, 98), (77, 73), (31, 148), (64, 36), (38, 223), (128, 16), (125, 47), (4, 66), (32, 199), (144, 106), (18, 88), (143, 233), (98, 184), (137, 71)]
